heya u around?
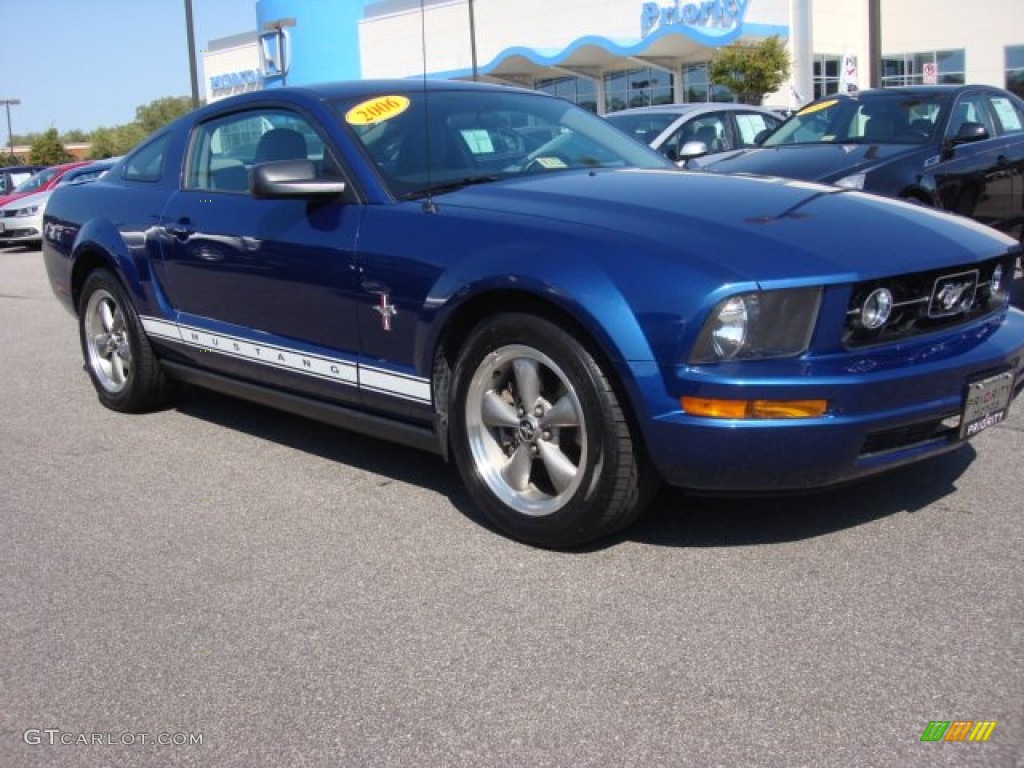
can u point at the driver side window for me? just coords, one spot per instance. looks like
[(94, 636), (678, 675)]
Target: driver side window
[(970, 109), (225, 149)]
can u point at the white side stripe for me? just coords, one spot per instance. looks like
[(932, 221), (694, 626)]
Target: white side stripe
[(292, 360)]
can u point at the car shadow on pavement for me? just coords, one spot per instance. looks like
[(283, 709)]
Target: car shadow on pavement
[(675, 519), (682, 519), (364, 452)]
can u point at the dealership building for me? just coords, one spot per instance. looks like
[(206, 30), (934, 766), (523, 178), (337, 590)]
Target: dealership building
[(612, 54)]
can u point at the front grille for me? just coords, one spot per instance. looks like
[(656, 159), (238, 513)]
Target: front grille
[(918, 301)]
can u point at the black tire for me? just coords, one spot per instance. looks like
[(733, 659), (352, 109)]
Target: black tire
[(118, 357), (540, 438)]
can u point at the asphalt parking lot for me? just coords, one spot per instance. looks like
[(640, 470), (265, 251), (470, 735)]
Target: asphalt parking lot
[(294, 595)]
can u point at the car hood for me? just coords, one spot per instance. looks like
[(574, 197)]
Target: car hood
[(25, 201), (739, 228), (812, 162)]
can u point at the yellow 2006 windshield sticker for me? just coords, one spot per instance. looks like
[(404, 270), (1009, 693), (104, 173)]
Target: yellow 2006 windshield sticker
[(376, 110), (816, 107)]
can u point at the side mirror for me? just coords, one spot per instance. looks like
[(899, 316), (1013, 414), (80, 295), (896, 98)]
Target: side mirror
[(969, 132), (762, 135), (692, 149), (291, 178)]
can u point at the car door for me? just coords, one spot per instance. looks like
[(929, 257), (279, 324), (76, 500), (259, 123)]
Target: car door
[(264, 286), (1009, 119), (970, 178)]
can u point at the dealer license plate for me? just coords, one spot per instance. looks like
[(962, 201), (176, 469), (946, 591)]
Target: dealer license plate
[(987, 403)]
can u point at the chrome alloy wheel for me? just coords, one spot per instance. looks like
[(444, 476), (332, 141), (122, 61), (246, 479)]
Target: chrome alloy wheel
[(526, 430), (107, 341)]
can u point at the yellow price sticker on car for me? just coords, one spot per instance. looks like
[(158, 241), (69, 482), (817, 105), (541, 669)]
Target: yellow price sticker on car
[(818, 106), (376, 110)]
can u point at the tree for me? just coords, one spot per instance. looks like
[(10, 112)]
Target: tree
[(111, 142), (751, 70), (74, 136), (160, 112), (48, 150)]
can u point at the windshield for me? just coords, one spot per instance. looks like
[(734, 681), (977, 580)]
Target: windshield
[(470, 137), (883, 118), (36, 182)]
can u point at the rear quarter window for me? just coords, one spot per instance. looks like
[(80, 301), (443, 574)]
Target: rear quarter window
[(147, 162), (1011, 117)]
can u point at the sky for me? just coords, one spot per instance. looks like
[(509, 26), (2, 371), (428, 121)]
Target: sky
[(83, 65)]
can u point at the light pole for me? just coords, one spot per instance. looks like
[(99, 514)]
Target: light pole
[(875, 42), (191, 35), (8, 103), (472, 39)]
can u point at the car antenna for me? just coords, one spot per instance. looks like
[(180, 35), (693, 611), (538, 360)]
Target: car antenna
[(428, 205)]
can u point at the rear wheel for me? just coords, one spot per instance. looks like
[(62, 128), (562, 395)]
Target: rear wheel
[(118, 357), (540, 438)]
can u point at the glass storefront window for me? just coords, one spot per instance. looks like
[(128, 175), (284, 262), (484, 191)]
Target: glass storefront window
[(638, 88), (579, 90), (697, 85), (1015, 69), (909, 68), (826, 75)]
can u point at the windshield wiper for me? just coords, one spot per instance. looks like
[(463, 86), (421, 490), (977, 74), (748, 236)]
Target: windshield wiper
[(450, 186)]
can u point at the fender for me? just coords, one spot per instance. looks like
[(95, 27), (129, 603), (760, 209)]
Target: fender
[(580, 290), (100, 239)]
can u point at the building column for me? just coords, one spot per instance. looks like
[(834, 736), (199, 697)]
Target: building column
[(801, 48)]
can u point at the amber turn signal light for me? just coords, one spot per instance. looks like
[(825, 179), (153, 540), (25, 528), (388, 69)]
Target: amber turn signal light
[(753, 409)]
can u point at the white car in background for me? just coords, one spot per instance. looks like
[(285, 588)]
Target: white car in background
[(21, 220), (674, 129)]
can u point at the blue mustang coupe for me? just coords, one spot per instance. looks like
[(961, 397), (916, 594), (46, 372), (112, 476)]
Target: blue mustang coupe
[(508, 280)]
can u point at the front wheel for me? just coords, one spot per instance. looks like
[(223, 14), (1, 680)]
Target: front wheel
[(540, 438), (124, 371)]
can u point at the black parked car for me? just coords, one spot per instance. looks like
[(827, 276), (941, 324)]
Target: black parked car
[(960, 148)]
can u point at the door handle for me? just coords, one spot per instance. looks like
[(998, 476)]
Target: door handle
[(181, 229)]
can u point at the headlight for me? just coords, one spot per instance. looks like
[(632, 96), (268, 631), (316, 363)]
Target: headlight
[(853, 181), (877, 309), (32, 210), (758, 325), (998, 282)]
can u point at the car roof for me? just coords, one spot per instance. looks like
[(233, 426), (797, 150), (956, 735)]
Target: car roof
[(902, 91), (367, 88), (64, 167), (23, 168), (693, 106)]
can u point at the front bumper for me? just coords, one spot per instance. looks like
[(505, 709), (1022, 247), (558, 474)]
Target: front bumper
[(886, 408), (21, 229)]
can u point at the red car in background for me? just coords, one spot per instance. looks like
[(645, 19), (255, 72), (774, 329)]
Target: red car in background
[(41, 181)]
